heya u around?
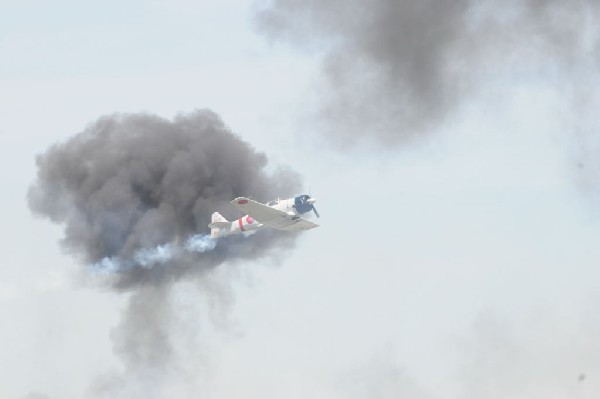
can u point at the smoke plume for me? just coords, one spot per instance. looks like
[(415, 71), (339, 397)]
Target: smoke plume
[(144, 344), (135, 194), (396, 68)]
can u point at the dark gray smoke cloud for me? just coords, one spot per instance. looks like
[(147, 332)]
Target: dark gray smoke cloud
[(395, 68), (132, 183), (143, 342), (136, 183)]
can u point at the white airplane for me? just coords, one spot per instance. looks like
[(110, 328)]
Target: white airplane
[(278, 214)]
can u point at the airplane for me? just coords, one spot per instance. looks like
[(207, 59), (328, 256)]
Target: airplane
[(278, 214)]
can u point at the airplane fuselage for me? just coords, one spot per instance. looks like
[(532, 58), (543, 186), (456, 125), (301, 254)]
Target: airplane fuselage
[(241, 225), (291, 208)]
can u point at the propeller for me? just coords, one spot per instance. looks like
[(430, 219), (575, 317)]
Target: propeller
[(315, 211), (305, 203), (311, 202)]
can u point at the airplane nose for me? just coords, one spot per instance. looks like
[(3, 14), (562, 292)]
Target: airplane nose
[(311, 201)]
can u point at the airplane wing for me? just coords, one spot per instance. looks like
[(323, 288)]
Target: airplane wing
[(272, 217)]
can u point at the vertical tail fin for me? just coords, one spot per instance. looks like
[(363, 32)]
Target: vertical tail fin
[(216, 218)]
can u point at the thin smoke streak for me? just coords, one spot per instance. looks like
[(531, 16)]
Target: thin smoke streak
[(147, 258)]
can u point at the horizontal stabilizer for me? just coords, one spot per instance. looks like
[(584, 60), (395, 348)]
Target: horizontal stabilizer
[(220, 225)]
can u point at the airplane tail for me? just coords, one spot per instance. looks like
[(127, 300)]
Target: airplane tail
[(217, 217), (217, 222)]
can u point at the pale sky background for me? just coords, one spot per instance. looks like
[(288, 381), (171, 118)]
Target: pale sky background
[(463, 264)]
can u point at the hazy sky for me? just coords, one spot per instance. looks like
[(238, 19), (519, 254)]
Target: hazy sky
[(461, 262)]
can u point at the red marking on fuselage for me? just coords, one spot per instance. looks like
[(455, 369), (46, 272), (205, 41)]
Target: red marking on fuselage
[(241, 224), (249, 219), (243, 201)]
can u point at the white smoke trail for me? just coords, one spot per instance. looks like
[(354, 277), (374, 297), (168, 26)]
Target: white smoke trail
[(108, 265), (161, 254), (200, 243), (147, 258)]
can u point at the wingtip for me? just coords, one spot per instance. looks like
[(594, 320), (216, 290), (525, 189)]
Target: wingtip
[(240, 201)]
